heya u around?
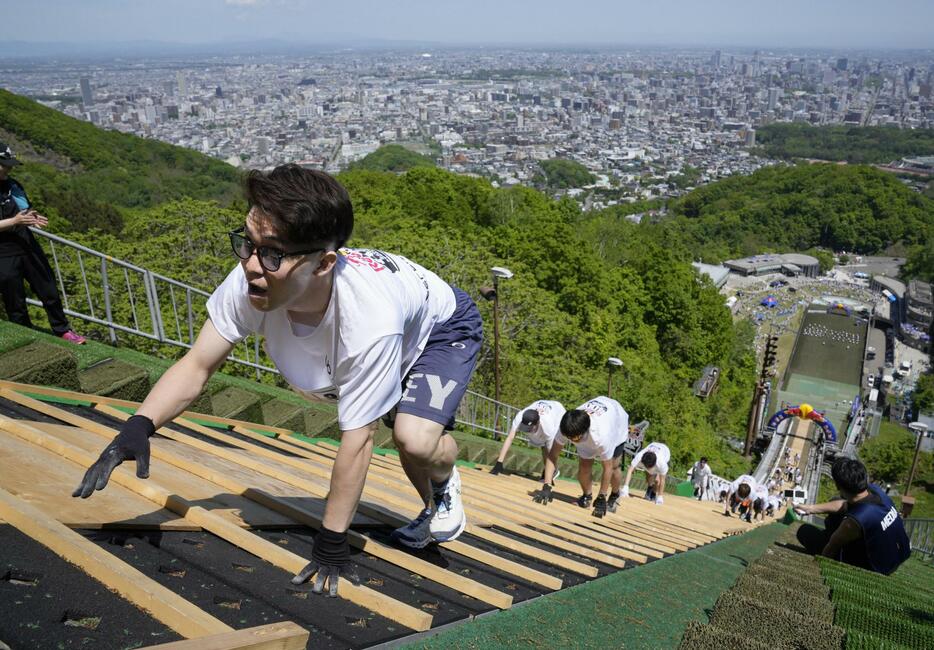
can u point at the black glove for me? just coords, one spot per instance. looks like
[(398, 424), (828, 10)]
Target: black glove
[(330, 558), (132, 443), (599, 506), (543, 496), (497, 468)]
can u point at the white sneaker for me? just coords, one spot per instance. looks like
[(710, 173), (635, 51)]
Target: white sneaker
[(448, 521), (416, 533)]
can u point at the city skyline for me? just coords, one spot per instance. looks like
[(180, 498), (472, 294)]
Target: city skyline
[(98, 26)]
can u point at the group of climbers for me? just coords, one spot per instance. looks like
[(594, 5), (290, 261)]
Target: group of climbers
[(599, 430), (862, 528)]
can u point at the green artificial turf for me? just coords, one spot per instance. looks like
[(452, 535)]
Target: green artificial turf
[(648, 606)]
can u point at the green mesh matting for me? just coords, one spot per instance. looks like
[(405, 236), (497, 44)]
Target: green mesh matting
[(648, 606)]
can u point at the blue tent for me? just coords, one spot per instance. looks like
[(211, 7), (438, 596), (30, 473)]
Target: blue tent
[(769, 301)]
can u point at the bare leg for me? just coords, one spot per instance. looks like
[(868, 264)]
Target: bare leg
[(426, 454), (616, 478), (584, 475)]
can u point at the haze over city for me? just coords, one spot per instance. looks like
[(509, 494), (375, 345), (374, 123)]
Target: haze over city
[(96, 24)]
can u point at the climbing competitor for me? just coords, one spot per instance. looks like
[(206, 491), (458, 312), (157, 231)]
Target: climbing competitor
[(598, 428), (739, 497), (700, 477), (367, 330), (539, 421), (760, 501), (653, 460), (862, 527)]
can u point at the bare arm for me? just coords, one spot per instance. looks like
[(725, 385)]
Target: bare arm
[(507, 443), (181, 384), (24, 218), (632, 467), (551, 462), (348, 477), (821, 508)]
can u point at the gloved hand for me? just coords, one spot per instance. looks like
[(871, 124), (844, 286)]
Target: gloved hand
[(330, 559), (544, 495), (659, 500), (599, 506), (497, 468), (624, 492), (132, 443)]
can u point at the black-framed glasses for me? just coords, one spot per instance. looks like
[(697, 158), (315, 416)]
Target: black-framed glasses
[(269, 258)]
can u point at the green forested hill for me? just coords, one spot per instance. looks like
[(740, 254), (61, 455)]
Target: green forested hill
[(84, 174), (392, 158), (840, 207), (854, 144)]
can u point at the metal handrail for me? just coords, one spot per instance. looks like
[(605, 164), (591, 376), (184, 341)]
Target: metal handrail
[(921, 534)]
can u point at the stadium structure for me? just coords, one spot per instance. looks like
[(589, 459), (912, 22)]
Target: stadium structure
[(788, 263)]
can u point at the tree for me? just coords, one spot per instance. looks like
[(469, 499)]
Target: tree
[(888, 455), (560, 174), (392, 158)]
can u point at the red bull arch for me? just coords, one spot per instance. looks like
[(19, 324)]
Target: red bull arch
[(805, 412)]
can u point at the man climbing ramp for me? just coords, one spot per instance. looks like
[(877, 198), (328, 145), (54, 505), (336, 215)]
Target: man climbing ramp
[(370, 331)]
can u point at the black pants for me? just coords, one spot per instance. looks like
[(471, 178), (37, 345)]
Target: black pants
[(814, 539), (33, 267)]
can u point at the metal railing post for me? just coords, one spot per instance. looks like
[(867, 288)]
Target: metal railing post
[(107, 308)]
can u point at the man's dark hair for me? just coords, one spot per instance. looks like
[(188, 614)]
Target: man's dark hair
[(743, 490), (575, 424), (649, 459), (849, 475), (703, 459), (312, 208)]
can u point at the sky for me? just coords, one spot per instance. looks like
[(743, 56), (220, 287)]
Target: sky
[(853, 24)]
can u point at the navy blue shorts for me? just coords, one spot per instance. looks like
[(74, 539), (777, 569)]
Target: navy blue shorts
[(436, 383)]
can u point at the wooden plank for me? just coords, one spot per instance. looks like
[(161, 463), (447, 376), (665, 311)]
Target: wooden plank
[(394, 556), (507, 517), (170, 609), (240, 511), (272, 553), (309, 465), (377, 512), (21, 463), (521, 521), (275, 636)]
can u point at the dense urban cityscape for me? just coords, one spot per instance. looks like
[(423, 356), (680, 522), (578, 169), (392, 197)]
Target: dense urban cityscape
[(648, 123)]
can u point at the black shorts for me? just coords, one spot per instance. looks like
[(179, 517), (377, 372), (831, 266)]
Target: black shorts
[(619, 451), (438, 379)]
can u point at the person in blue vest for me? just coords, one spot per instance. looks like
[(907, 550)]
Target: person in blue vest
[(863, 527)]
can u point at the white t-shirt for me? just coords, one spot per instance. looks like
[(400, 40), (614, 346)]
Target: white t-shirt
[(549, 422), (761, 492), (775, 501), (700, 475), (662, 456), (745, 478), (609, 428), (381, 312)]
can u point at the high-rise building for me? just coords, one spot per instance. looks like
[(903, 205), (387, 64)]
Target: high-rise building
[(86, 96), (182, 83), (773, 98), (842, 64), (715, 59)]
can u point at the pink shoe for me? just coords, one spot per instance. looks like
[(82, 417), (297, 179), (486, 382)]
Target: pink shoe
[(71, 337)]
